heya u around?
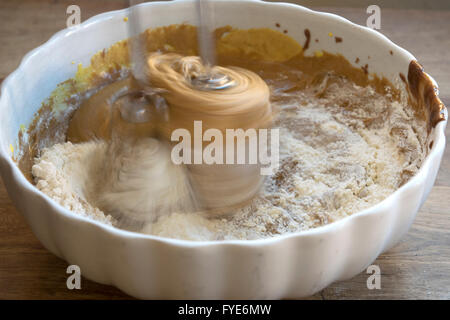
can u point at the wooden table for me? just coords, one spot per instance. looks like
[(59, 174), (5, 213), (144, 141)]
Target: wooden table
[(417, 268)]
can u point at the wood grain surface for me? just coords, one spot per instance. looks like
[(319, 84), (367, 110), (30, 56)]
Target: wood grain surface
[(417, 268)]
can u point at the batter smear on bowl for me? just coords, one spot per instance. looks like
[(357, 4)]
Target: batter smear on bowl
[(347, 139)]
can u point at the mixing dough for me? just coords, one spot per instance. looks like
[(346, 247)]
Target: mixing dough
[(172, 79), (346, 143), (323, 177)]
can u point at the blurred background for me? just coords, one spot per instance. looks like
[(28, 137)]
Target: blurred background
[(399, 4)]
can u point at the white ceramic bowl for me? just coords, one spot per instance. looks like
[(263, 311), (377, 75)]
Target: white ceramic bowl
[(287, 266)]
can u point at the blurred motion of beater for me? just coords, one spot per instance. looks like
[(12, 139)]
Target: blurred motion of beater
[(169, 93)]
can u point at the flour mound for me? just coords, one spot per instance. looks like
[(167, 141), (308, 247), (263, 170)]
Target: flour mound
[(61, 173)]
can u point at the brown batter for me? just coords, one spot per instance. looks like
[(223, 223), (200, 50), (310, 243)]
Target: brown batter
[(263, 51), (245, 105)]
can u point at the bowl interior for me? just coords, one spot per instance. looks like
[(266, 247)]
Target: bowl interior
[(47, 66)]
